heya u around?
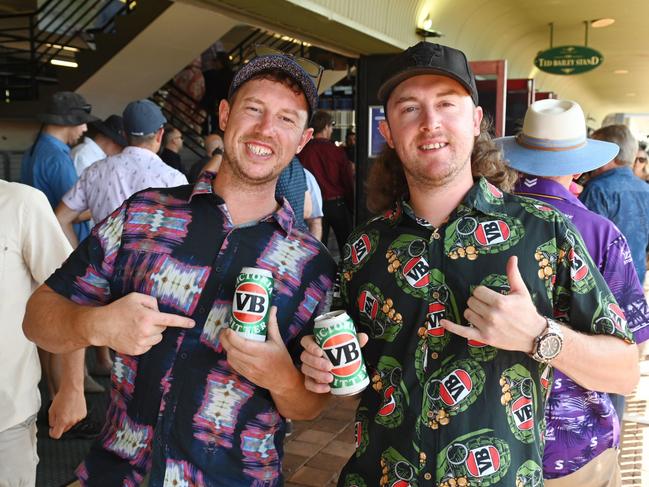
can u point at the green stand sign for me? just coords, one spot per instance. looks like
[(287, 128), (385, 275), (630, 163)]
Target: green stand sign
[(567, 60)]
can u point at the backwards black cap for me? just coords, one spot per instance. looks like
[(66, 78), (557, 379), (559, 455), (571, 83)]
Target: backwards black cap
[(427, 58)]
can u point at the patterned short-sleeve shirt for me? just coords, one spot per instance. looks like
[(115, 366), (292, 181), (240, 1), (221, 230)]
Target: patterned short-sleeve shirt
[(180, 412), (441, 410)]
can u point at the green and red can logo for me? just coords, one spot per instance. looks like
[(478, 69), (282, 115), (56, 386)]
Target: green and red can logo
[(335, 333), (251, 303)]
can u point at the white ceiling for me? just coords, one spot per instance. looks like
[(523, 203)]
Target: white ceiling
[(517, 29)]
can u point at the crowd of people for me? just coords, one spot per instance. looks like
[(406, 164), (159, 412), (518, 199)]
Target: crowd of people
[(499, 304)]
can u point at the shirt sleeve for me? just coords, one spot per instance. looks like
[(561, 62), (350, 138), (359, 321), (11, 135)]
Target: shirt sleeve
[(179, 179), (593, 199), (317, 297), (75, 198), (44, 245), (581, 297), (86, 276), (620, 275)]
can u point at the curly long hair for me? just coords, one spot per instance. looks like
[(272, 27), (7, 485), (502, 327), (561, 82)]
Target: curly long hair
[(386, 181)]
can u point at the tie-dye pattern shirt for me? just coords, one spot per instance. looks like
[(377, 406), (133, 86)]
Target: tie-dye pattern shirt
[(179, 412)]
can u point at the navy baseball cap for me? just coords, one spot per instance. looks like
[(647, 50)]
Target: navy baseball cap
[(142, 117), (288, 65), (427, 58)]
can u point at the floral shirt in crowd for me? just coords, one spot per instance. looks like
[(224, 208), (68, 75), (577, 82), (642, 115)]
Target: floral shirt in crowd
[(179, 412), (581, 424), (441, 410)]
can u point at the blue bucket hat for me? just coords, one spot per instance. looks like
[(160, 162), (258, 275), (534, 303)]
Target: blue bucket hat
[(553, 142)]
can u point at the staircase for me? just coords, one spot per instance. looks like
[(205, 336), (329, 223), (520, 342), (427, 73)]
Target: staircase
[(61, 44)]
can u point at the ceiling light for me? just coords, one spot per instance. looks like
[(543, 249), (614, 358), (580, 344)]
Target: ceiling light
[(598, 23), (65, 48), (621, 71), (67, 64)]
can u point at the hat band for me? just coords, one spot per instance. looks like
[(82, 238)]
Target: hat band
[(550, 145)]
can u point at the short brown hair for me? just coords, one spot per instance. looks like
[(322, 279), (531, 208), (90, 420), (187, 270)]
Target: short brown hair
[(622, 136), (320, 121), (386, 182)]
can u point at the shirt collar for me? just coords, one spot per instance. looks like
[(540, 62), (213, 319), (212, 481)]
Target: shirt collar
[(545, 188), (618, 171), (50, 139), (482, 196), (284, 215)]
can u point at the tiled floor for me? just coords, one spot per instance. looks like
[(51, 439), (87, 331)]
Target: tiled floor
[(317, 450)]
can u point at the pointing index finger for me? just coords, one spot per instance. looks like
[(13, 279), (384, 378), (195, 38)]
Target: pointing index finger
[(173, 320)]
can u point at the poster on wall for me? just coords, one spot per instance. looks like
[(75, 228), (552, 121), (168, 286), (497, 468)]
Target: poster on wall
[(375, 140)]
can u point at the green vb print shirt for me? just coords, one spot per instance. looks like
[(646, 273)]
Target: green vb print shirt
[(440, 410)]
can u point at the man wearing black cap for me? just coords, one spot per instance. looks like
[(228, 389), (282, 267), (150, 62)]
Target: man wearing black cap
[(47, 164), (193, 403), (105, 185), (465, 292), (104, 138)]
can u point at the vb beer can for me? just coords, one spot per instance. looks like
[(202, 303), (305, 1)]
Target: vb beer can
[(251, 303), (336, 335)]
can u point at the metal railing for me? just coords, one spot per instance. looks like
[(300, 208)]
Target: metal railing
[(187, 114), (30, 41), (184, 113)]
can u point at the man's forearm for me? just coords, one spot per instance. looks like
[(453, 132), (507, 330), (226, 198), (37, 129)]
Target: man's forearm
[(598, 362), (72, 370), (315, 227), (295, 402), (55, 323)]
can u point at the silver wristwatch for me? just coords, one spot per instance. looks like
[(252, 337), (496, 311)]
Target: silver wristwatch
[(549, 343)]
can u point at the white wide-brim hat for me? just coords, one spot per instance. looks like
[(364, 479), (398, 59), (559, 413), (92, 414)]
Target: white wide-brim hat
[(553, 142)]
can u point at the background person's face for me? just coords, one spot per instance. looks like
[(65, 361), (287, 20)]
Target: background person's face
[(75, 133), (640, 165)]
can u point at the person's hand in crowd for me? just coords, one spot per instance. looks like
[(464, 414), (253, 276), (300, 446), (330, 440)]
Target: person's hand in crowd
[(316, 367)]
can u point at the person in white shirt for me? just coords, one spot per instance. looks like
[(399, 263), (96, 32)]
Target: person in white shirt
[(103, 138), (32, 246), (107, 183)]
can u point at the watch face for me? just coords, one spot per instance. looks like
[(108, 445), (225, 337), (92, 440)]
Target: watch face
[(550, 346)]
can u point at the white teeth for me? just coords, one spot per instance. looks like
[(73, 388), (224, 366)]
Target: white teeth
[(258, 150), (436, 145)]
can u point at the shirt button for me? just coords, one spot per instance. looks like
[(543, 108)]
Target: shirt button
[(217, 268), (201, 309), (427, 476), (183, 355)]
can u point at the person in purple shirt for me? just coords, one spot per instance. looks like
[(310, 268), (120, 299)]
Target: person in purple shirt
[(583, 429)]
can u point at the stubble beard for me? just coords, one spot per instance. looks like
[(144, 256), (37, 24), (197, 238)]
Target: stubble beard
[(245, 180), (418, 177)]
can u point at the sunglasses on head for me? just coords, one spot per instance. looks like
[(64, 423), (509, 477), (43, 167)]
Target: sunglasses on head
[(84, 108), (313, 69)]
